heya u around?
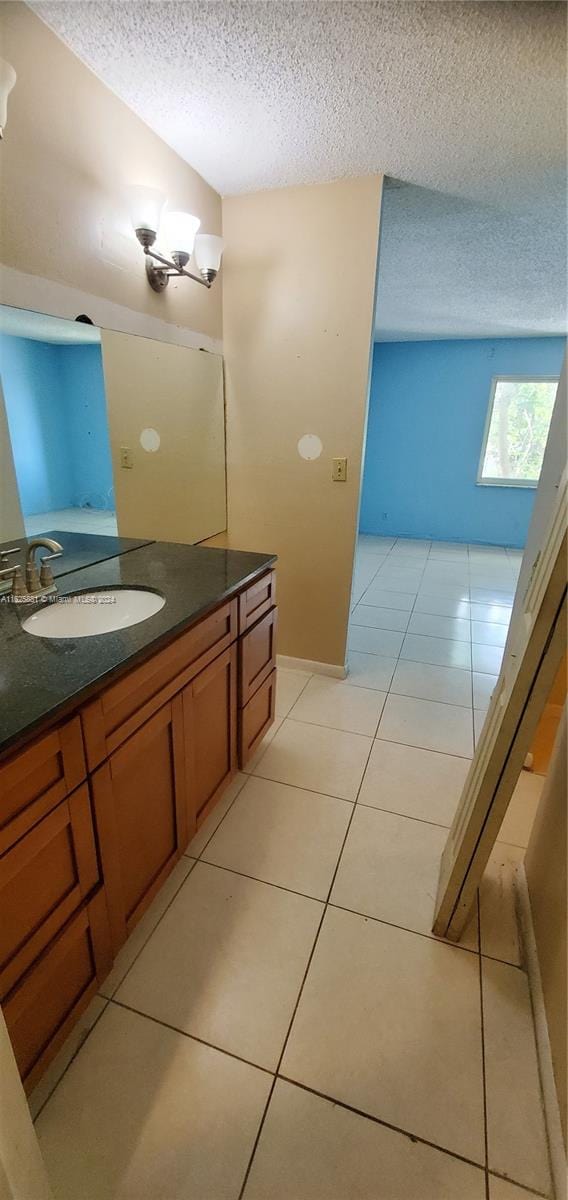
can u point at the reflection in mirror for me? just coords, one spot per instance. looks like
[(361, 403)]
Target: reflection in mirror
[(76, 410)]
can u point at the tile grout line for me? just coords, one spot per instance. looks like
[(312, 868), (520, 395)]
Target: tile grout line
[(298, 998)]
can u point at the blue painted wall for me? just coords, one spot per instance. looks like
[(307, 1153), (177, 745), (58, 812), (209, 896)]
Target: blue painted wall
[(56, 409), (427, 412)]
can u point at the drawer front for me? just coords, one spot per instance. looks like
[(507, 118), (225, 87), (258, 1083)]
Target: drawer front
[(257, 600), (257, 655), (42, 1009), (43, 879), (36, 779), (256, 718), (126, 705)]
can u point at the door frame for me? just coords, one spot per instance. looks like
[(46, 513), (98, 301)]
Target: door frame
[(535, 646)]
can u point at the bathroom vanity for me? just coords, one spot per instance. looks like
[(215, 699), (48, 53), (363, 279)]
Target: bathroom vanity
[(113, 750)]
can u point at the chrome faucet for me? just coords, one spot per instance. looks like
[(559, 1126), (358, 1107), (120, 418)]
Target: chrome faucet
[(36, 583)]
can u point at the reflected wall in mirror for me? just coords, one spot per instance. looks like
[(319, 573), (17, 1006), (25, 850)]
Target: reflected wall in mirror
[(76, 408)]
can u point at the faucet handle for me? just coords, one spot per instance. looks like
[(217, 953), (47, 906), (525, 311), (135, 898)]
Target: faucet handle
[(4, 553), (18, 586), (46, 574)]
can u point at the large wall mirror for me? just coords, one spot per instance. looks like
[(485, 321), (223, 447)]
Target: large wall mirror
[(108, 433)]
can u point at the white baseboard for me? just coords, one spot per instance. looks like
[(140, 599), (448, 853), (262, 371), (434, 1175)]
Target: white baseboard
[(549, 1093), (308, 664)]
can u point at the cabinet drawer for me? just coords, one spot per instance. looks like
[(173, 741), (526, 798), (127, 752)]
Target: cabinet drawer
[(42, 1009), (33, 781), (141, 809), (257, 655), (43, 879), (256, 718), (257, 600), (126, 705)]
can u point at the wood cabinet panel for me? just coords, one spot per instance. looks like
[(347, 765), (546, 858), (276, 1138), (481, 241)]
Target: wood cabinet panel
[(141, 809), (126, 705), (42, 1009), (257, 600), (257, 655), (43, 879), (33, 781), (210, 725), (256, 718)]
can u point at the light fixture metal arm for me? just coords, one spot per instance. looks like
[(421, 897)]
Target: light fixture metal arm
[(158, 277)]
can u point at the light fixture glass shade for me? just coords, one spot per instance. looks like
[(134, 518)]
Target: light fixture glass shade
[(178, 232), (7, 80), (208, 250), (145, 206)]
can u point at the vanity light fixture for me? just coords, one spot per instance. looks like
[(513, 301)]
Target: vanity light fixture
[(7, 80), (178, 231)]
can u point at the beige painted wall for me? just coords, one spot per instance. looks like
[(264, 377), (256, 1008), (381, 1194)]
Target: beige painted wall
[(177, 493), (11, 520), (545, 866), (298, 315), (71, 146)]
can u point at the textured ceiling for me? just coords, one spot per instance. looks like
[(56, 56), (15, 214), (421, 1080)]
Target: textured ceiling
[(452, 268), (463, 99)]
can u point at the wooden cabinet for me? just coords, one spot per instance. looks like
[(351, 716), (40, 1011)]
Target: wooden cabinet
[(210, 726), (256, 718), (141, 811), (95, 813)]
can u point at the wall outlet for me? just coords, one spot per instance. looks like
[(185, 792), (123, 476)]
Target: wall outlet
[(126, 457), (339, 470)]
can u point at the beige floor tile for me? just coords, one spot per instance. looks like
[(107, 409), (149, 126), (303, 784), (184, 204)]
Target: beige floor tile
[(450, 685), (316, 758), (483, 688), (413, 782), (442, 606), (370, 670), (380, 618), (289, 684), (146, 925), (374, 641), (339, 705), (263, 746), (488, 633), (384, 597), (457, 629), (207, 829), (389, 870), (519, 818), (144, 1113), (497, 908), (282, 835), (486, 659), (59, 1064), (226, 963), (497, 614), (441, 652), (311, 1149), (517, 1144), (425, 723), (501, 1189), (390, 1023)]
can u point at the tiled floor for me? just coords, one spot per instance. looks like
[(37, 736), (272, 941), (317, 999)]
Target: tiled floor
[(73, 520), (282, 1025)]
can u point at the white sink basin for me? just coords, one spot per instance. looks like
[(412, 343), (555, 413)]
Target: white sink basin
[(89, 614)]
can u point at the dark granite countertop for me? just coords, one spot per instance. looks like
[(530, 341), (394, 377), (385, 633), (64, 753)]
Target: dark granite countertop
[(79, 549), (42, 679)]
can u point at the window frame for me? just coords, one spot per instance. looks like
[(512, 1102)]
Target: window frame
[(490, 481)]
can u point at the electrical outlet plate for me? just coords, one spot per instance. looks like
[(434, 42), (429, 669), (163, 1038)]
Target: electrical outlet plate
[(339, 470)]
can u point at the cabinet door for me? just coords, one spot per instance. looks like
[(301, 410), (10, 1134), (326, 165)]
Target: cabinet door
[(141, 811), (210, 721), (257, 661)]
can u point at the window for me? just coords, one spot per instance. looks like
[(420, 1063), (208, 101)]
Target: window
[(516, 430)]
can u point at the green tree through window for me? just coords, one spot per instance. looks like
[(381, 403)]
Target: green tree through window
[(518, 428)]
